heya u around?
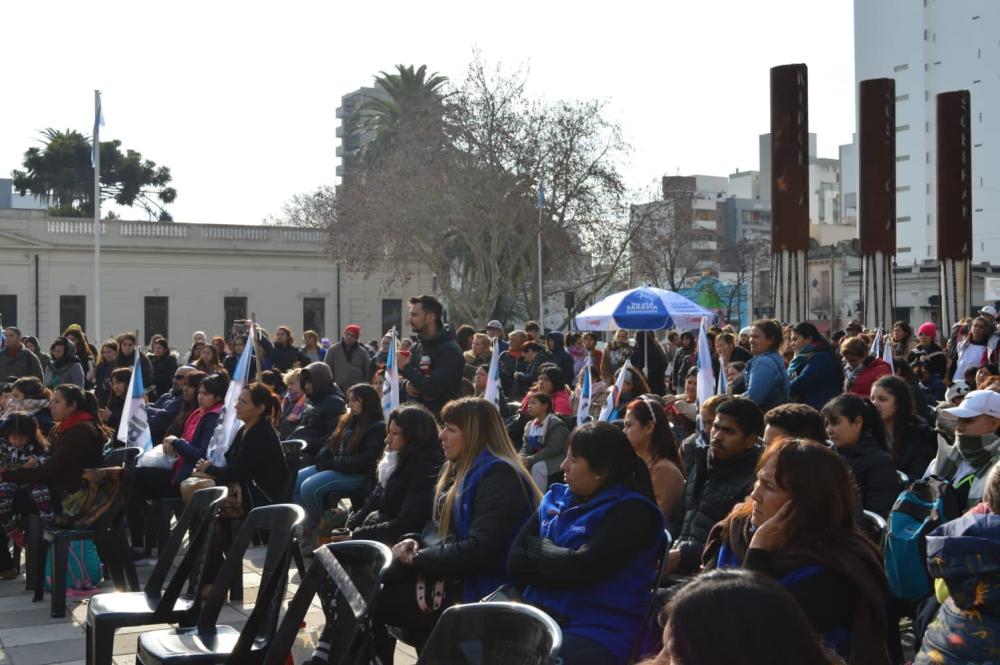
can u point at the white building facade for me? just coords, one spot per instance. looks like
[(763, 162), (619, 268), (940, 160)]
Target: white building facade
[(173, 279), (930, 47)]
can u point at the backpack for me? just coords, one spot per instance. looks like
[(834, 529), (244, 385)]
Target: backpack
[(920, 508), (83, 567)]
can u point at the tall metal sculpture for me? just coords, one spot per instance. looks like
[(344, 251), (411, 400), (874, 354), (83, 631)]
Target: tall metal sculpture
[(877, 198), (954, 205), (790, 192)]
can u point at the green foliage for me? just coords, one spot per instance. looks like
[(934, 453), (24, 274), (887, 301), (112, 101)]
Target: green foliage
[(60, 173)]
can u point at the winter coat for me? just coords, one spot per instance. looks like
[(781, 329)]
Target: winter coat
[(61, 371), (163, 373), (325, 406), (933, 356), (349, 364), (873, 370), (189, 452), (552, 447), (713, 488), (78, 447), (509, 366), (21, 363), (965, 553), (404, 503), (256, 461), (949, 463), (161, 413), (523, 380), (283, 358), (128, 362), (817, 380), (874, 474), (435, 369), (655, 368), (358, 462), (767, 381), (561, 357), (916, 448)]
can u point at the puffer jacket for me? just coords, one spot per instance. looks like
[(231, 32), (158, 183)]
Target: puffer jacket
[(965, 553), (767, 381), (874, 473), (325, 406), (435, 370), (713, 488)]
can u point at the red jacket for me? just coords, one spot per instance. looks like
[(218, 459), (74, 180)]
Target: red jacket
[(874, 368)]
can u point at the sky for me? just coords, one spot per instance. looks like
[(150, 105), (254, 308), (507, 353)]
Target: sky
[(239, 99)]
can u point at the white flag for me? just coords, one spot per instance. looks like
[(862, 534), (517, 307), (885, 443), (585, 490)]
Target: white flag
[(134, 426), (723, 385), (390, 378), (874, 350), (228, 423), (492, 392), (583, 408), (616, 392), (887, 354), (706, 377)]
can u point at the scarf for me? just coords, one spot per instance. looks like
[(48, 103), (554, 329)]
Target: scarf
[(292, 406), (74, 419), (387, 466), (974, 450), (854, 372), (800, 360), (29, 406)]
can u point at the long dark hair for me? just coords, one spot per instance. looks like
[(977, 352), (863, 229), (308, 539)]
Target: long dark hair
[(371, 413), (417, 424), (192, 380), (32, 388), (20, 422), (662, 444), (812, 333), (83, 401), (900, 392), (853, 407), (555, 375), (774, 632), (608, 452)]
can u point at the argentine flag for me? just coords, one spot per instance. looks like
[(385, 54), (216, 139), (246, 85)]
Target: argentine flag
[(492, 392), (228, 424), (874, 350), (583, 409), (134, 426), (98, 123), (390, 379), (723, 379), (706, 377), (616, 392), (887, 354)]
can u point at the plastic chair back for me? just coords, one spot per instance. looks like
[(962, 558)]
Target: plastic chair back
[(346, 575), (492, 634), (123, 457), (292, 448), (874, 525)]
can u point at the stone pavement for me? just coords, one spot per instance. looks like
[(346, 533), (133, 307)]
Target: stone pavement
[(29, 636)]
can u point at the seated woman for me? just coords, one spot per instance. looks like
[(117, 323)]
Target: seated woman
[(798, 527), (401, 502), (346, 465), (479, 383), (292, 403), (598, 392), (191, 446), (551, 382), (912, 442), (482, 498), (682, 410), (64, 366), (22, 445), (862, 368), (30, 396), (75, 443), (111, 414), (208, 360), (633, 385), (765, 626), (855, 428), (647, 430), (544, 444), (107, 363), (588, 557)]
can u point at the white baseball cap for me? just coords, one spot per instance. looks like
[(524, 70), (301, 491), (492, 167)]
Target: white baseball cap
[(977, 403), (989, 309), (494, 324)]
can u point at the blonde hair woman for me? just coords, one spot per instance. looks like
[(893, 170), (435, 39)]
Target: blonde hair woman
[(483, 497)]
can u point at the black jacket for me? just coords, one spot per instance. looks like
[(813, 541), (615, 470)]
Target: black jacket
[(283, 358), (436, 369), (655, 369), (163, 373), (561, 357), (404, 504), (918, 446), (256, 461), (509, 365), (362, 461), (874, 474), (323, 410), (713, 488), (524, 379)]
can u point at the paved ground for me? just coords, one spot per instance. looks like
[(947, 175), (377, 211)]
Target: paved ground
[(29, 636)]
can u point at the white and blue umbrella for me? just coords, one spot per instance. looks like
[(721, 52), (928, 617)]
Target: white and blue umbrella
[(643, 308)]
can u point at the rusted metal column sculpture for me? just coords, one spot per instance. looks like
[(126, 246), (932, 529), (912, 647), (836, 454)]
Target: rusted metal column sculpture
[(877, 199), (954, 206), (790, 192)]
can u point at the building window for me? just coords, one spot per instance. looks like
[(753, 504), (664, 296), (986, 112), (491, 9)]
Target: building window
[(900, 220), (235, 309), (72, 309), (8, 310), (314, 315), (901, 68), (904, 188), (392, 314), (903, 158), (155, 311), (903, 250), (902, 128), (902, 98)]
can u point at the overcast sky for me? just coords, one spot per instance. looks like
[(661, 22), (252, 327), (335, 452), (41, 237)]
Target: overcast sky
[(239, 100)]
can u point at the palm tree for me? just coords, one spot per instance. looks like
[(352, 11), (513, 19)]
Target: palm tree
[(413, 104)]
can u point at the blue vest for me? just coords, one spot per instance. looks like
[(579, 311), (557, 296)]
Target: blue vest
[(476, 587), (611, 611)]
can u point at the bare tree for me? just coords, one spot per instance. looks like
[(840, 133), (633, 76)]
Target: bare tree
[(743, 257), (666, 251), (307, 211)]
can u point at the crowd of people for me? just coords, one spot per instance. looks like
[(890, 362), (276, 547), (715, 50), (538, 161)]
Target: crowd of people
[(754, 516)]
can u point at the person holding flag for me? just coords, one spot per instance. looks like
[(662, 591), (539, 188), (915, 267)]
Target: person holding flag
[(390, 376), (492, 393), (133, 428), (227, 425), (629, 384), (586, 391)]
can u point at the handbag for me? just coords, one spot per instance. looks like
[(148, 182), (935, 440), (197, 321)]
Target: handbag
[(231, 508), (92, 502)]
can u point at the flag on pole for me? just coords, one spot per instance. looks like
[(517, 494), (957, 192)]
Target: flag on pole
[(541, 193), (98, 123), (134, 426), (887, 355), (390, 378), (723, 385), (492, 392), (874, 350), (616, 392), (228, 423), (706, 377), (583, 409)]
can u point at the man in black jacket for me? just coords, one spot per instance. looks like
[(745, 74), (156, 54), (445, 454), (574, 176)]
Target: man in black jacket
[(723, 475), (436, 377), (323, 409)]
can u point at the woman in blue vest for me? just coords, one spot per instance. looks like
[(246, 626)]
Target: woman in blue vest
[(589, 556), (484, 495), (798, 527)]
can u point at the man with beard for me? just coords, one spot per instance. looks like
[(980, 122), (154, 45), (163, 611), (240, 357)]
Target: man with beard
[(436, 377)]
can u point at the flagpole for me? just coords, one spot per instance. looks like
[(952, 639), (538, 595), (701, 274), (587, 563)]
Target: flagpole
[(96, 331), (541, 203)]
